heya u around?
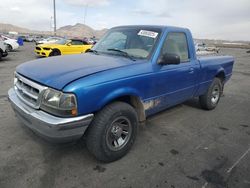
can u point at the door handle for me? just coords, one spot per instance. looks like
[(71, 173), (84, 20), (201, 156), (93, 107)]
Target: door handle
[(191, 70)]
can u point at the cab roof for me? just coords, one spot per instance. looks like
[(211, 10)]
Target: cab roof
[(161, 27)]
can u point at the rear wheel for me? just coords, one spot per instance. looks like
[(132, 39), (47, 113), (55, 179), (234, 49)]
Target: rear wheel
[(211, 98), (112, 132)]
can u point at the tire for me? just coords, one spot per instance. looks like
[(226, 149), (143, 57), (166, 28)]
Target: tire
[(112, 132), (210, 99), (1, 54), (4, 54), (55, 53), (8, 47)]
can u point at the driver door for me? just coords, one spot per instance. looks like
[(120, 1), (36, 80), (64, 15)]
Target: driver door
[(175, 83)]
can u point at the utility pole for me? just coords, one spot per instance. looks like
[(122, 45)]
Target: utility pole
[(54, 3), (51, 24)]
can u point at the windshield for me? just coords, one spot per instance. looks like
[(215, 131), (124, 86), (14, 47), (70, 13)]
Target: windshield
[(62, 41), (136, 42)]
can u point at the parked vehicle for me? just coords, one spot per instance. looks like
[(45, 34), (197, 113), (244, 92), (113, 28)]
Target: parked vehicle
[(3, 52), (38, 38), (201, 47), (211, 48), (62, 47), (23, 37), (50, 40), (30, 39), (131, 73), (10, 43)]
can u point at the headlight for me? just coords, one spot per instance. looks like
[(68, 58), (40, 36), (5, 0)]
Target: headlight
[(58, 103)]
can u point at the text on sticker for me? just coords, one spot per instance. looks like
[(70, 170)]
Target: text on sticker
[(148, 33)]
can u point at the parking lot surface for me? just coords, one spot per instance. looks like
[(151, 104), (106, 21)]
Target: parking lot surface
[(182, 147)]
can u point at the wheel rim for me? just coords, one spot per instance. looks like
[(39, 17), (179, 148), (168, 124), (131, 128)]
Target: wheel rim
[(118, 133), (215, 94)]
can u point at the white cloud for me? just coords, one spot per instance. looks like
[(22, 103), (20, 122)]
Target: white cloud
[(225, 19), (29, 13), (142, 12), (88, 2), (15, 9)]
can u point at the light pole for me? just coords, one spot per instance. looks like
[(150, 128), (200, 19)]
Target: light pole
[(51, 24), (54, 3)]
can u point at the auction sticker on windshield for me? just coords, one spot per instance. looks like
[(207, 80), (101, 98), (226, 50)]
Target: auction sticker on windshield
[(146, 33)]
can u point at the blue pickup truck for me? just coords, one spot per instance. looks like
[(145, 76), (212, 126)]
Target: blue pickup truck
[(131, 73)]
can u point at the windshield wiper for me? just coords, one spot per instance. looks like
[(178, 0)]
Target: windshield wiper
[(92, 51), (122, 52)]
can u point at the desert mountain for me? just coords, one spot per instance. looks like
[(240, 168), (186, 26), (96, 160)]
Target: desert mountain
[(80, 30), (9, 27), (77, 30)]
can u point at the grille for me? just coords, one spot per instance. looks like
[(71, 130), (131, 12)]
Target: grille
[(28, 91), (38, 48)]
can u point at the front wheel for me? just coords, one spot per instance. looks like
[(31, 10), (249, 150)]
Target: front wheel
[(55, 52), (112, 132), (211, 98)]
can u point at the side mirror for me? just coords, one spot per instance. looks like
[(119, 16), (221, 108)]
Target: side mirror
[(69, 44), (168, 59)]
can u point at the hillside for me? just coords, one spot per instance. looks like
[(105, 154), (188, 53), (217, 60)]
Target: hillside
[(8, 27), (77, 30)]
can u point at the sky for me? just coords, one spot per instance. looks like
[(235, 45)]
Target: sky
[(211, 19)]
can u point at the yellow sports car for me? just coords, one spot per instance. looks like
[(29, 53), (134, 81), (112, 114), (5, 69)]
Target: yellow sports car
[(62, 47)]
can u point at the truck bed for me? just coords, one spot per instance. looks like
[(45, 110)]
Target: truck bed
[(212, 66)]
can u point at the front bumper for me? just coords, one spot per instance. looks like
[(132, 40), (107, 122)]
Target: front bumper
[(52, 128), (43, 53)]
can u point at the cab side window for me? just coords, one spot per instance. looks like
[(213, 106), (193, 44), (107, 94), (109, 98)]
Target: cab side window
[(76, 42), (176, 43), (84, 42)]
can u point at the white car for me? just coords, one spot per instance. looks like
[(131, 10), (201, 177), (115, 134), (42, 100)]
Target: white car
[(49, 40), (11, 44), (201, 47), (3, 52)]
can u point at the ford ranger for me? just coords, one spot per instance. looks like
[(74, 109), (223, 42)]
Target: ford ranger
[(131, 73)]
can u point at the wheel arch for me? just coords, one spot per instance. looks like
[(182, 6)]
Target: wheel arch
[(221, 75), (10, 46), (131, 98), (87, 50), (56, 49)]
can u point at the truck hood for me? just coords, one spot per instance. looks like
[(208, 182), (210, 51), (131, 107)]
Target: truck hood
[(57, 72)]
